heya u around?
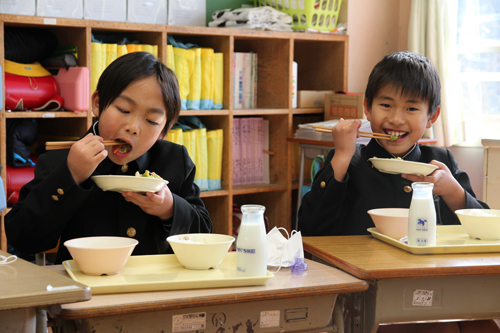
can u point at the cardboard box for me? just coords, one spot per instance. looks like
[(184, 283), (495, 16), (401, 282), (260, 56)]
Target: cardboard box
[(60, 8), (312, 98), (339, 105), (147, 11), (191, 12), (18, 7), (105, 10)]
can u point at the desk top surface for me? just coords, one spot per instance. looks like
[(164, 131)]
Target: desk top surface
[(23, 284), (318, 279), (368, 258)]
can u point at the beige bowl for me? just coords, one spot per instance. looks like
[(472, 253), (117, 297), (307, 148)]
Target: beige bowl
[(101, 255), (480, 223), (200, 251), (392, 222)]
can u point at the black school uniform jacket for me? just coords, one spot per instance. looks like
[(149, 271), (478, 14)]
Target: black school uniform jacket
[(52, 206), (340, 208)]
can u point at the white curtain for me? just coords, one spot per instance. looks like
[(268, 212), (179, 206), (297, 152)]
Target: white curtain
[(432, 32)]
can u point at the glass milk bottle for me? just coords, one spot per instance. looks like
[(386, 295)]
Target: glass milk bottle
[(422, 216), (251, 244)]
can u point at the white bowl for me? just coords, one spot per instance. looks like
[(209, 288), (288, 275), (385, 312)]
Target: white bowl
[(200, 251), (480, 223), (129, 183), (101, 255), (395, 166), (392, 222)]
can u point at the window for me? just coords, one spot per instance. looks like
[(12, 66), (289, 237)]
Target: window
[(478, 55)]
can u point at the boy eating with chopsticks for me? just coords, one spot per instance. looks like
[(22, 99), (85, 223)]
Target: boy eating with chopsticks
[(402, 99), (136, 102)]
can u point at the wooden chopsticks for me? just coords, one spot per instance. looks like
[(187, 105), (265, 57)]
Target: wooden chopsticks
[(52, 145), (326, 129)]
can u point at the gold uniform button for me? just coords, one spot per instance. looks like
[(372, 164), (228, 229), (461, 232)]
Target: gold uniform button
[(131, 232), (322, 184), (60, 191), (124, 168), (55, 198), (407, 189)]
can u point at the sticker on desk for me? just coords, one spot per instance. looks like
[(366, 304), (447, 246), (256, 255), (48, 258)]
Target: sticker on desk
[(269, 318), (189, 322), (422, 297)]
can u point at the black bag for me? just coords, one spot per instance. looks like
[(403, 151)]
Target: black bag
[(28, 45), (21, 133)]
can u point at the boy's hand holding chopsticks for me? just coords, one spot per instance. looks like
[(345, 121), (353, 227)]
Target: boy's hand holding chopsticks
[(84, 155)]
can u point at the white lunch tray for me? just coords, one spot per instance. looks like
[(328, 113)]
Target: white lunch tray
[(449, 239), (163, 272)]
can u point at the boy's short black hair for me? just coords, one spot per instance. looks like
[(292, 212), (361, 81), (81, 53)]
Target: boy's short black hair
[(133, 67), (411, 73)]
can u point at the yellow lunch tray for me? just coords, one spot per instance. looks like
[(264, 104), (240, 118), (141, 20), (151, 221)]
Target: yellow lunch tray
[(163, 272), (449, 239)]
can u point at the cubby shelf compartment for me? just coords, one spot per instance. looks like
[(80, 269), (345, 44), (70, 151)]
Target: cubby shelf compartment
[(322, 65)]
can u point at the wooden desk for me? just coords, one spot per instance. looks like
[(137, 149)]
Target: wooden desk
[(23, 290), (286, 302), (463, 286)]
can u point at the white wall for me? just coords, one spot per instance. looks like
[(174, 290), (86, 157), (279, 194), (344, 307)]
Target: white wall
[(377, 28), (470, 159)]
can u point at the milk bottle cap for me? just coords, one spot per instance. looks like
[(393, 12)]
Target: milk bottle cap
[(252, 213)]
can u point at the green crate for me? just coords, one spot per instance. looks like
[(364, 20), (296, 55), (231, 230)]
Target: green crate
[(314, 14)]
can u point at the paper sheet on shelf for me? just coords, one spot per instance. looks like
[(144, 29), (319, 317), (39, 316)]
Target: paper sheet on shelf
[(306, 131)]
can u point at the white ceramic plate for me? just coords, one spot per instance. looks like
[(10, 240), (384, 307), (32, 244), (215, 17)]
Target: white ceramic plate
[(390, 165), (129, 183)]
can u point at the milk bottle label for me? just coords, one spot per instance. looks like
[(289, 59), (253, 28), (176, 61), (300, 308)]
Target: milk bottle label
[(422, 224), (421, 241), (243, 250)]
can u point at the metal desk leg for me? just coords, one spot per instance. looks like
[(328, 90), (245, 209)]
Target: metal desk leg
[(310, 152), (41, 320), (301, 182), (348, 313), (40, 259)]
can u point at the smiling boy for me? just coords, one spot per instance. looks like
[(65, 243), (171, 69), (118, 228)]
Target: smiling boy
[(402, 99)]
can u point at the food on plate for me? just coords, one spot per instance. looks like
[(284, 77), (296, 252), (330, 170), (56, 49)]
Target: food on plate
[(148, 174), (394, 158)]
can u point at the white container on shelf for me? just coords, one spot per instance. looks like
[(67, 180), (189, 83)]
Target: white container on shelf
[(105, 10), (187, 12), (147, 11), (60, 8), (18, 7)]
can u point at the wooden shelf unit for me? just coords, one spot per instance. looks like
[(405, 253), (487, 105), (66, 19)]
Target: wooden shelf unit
[(322, 65)]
